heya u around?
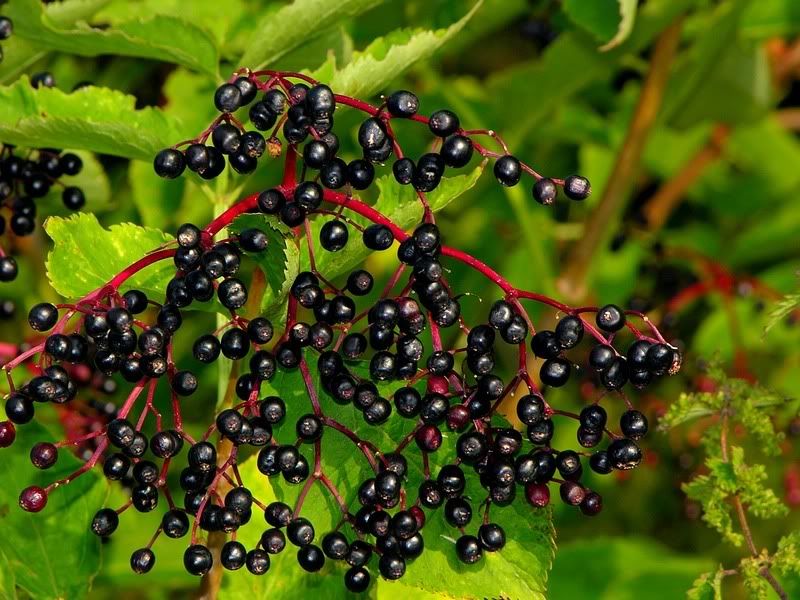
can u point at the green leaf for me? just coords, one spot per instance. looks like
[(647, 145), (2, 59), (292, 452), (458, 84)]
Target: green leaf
[(280, 262), (519, 571), (703, 61), (750, 569), (787, 305), (707, 587), (96, 119), (387, 57), (771, 18), (217, 17), (19, 54), (610, 21), (398, 203), (156, 199), (157, 37), (607, 568), (7, 583), (279, 32), (32, 542), (786, 559), (750, 481), (706, 490), (86, 256)]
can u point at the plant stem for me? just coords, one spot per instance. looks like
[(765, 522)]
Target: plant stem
[(605, 216), (658, 209)]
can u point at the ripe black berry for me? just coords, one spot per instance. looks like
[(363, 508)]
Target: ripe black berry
[(468, 549), (545, 191), (633, 424), (378, 237), (402, 104), (197, 560), (227, 98), (555, 372), (142, 561), (443, 123), (577, 188), (624, 454), (169, 163), (456, 150), (610, 318), (507, 170)]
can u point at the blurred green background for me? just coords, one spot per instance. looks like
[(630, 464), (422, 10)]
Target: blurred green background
[(683, 114)]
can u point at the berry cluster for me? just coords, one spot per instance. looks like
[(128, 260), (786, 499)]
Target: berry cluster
[(23, 181), (377, 348)]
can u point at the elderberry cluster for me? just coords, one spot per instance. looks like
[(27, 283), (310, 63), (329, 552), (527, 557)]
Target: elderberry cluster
[(399, 352), (23, 181)]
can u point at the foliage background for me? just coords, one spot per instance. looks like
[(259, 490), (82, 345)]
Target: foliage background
[(711, 199)]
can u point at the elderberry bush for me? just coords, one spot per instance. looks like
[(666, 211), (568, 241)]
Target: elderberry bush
[(355, 347)]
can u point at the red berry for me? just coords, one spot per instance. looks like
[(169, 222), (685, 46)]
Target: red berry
[(7, 434), (33, 499), (538, 494)]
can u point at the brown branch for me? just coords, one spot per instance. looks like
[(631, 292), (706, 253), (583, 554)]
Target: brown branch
[(607, 213), (789, 118), (742, 515), (661, 205)]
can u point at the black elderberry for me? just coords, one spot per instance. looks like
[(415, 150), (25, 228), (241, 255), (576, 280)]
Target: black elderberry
[(142, 561), (569, 332), (545, 344), (633, 424), (457, 151), (292, 214), (468, 549), (43, 316), (253, 240), (391, 566), (197, 560), (232, 555), (443, 123), (593, 417), (226, 138), (333, 174), (169, 163), (242, 163), (507, 170), (577, 188), (335, 545), (601, 357), (8, 269), (6, 28), (175, 523), (360, 174), (273, 541), (624, 454), (541, 433), (73, 198), (300, 532), (116, 466), (592, 504), (228, 98), (616, 375), (659, 359), (555, 372), (356, 580), (545, 191), (378, 237), (610, 318)]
